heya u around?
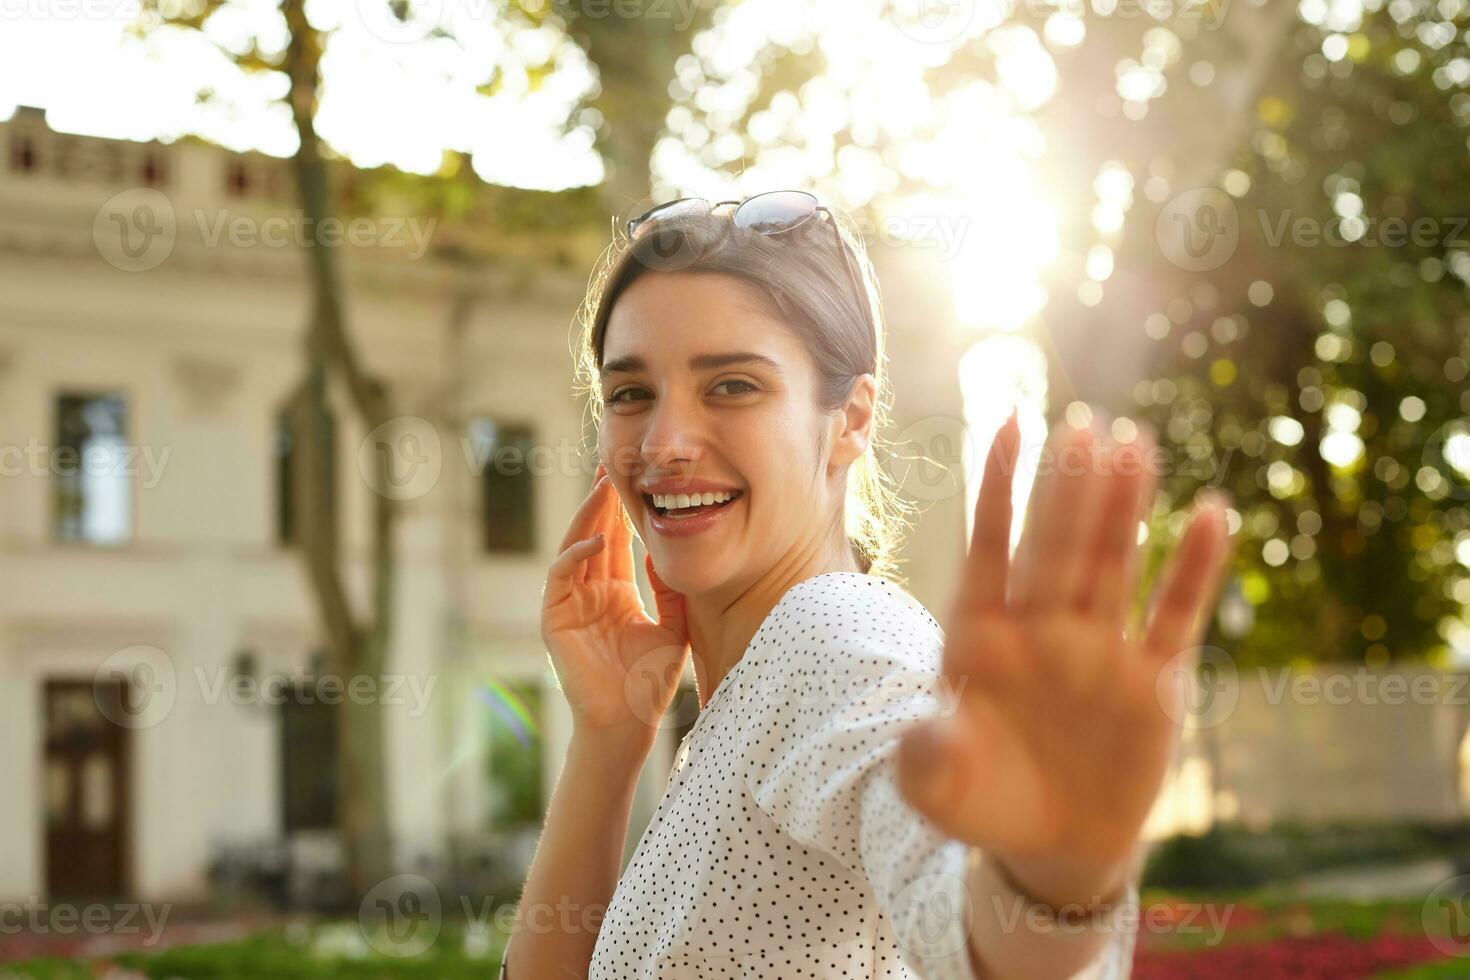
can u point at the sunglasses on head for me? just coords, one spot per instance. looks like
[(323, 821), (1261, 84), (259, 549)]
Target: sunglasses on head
[(769, 213)]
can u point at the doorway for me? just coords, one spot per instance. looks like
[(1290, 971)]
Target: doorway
[(85, 772)]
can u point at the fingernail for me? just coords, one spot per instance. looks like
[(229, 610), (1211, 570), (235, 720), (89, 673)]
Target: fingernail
[(1212, 496)]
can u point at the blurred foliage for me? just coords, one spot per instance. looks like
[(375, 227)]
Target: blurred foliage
[(475, 220), (1323, 377), (1228, 856), (326, 951)]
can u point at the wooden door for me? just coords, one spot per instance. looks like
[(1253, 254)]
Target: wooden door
[(85, 775)]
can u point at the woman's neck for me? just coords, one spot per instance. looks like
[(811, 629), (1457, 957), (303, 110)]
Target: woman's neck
[(722, 624)]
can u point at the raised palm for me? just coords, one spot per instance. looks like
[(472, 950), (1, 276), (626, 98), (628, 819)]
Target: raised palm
[(618, 668), (1062, 731)]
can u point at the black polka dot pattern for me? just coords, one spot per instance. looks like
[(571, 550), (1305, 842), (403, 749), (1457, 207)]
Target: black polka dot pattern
[(781, 847)]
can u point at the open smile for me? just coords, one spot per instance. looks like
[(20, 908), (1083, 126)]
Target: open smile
[(679, 515)]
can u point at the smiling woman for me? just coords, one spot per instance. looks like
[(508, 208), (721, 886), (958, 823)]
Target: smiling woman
[(780, 336), (735, 369)]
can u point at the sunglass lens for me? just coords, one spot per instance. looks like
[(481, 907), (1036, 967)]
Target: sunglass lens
[(775, 211), (682, 208)]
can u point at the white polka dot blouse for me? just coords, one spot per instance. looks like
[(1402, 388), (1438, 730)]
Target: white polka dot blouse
[(781, 847)]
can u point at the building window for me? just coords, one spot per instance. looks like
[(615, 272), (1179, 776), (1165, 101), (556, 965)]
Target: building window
[(309, 792), (286, 469), (514, 718), (507, 485), (23, 158), (93, 471)]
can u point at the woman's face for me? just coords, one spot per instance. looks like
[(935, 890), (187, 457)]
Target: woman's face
[(704, 392)]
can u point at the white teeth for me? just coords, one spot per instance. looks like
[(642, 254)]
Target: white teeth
[(673, 501)]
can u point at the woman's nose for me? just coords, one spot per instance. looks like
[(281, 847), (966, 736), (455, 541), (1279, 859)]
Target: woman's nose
[(674, 435)]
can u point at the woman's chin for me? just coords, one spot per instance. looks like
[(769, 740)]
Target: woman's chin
[(688, 573)]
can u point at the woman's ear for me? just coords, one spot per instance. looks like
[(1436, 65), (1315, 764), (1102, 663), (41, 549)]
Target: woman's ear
[(853, 425)]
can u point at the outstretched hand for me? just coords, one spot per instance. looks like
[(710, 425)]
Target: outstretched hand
[(1061, 733)]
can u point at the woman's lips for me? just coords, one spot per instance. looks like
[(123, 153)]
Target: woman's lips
[(697, 523)]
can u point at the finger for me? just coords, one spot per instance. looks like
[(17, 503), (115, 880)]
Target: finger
[(672, 612), (946, 764), (568, 570), (584, 522), (987, 567), (601, 565), (1131, 489), (1190, 583), (620, 542), (1053, 561)]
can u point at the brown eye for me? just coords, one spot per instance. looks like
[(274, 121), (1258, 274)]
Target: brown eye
[(737, 381), (617, 396)]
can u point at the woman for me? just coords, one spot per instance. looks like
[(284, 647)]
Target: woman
[(865, 794)]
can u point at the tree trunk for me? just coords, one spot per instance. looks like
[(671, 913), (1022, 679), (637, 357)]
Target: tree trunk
[(635, 59), (353, 650)]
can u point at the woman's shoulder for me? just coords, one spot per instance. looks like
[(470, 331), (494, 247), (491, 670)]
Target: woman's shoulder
[(853, 599), (842, 650), (859, 616)]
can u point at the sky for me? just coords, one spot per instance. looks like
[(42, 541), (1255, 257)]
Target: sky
[(390, 95)]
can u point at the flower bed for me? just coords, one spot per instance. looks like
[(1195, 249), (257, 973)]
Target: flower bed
[(1323, 957)]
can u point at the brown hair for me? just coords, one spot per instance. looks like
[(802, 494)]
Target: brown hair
[(799, 278)]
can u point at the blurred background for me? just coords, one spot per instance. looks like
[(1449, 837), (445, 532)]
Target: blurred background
[(289, 436)]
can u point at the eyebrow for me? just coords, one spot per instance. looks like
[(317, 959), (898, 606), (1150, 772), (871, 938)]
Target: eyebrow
[(699, 362)]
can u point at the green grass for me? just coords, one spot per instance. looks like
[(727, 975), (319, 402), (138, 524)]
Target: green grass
[(336, 951), (48, 969)]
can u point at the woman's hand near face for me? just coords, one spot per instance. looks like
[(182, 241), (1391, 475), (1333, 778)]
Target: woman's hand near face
[(1061, 736), (618, 668)]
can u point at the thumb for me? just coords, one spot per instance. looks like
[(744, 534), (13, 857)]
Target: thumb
[(926, 767), (671, 611)]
